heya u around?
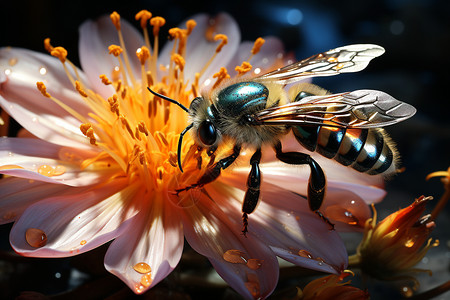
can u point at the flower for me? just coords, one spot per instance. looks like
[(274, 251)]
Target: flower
[(103, 165), (332, 287), (390, 249)]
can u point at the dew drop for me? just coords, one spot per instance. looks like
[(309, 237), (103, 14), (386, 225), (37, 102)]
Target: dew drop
[(253, 286), (142, 268), (59, 170), (254, 263), (304, 253), (407, 291), (46, 170), (146, 280), (8, 71), (235, 256), (36, 238), (42, 70), (409, 243), (83, 242), (320, 260)]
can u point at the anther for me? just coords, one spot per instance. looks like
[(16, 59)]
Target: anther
[(42, 88), (47, 45), (114, 105), (142, 128), (179, 60), (149, 78), (105, 79), (144, 15), (124, 121), (175, 33), (80, 89), (115, 18), (190, 25), (224, 41), (243, 68), (115, 50), (257, 45), (88, 131), (143, 54), (60, 53), (221, 75), (157, 22)]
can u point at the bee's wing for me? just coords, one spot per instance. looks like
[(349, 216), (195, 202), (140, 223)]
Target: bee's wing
[(357, 109), (351, 58)]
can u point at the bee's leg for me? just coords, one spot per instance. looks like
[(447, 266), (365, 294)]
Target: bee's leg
[(213, 170), (317, 181), (252, 193)]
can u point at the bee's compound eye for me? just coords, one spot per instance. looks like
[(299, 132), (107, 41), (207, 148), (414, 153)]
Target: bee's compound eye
[(207, 133)]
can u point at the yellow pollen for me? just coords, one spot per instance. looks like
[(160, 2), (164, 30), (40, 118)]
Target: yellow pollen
[(105, 79), (157, 22), (179, 60), (47, 45), (79, 89), (115, 18), (60, 53), (221, 75), (124, 121), (42, 88), (115, 50), (143, 54), (175, 33), (88, 131), (114, 106), (173, 159), (190, 25), (224, 41), (257, 45), (144, 15), (243, 68)]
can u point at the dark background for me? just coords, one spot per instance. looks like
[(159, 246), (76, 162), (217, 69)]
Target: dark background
[(414, 69)]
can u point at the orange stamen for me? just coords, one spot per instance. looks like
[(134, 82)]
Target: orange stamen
[(179, 60), (257, 45), (42, 88), (105, 79), (190, 25), (143, 16), (221, 75), (157, 22), (115, 50), (47, 45), (115, 18), (143, 54), (224, 41), (60, 53), (80, 89), (243, 68), (88, 131)]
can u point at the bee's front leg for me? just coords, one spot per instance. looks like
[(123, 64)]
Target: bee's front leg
[(214, 170), (253, 188), (316, 183)]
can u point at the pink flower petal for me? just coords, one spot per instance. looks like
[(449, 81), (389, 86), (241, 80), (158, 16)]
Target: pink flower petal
[(17, 194), (75, 223), (30, 158), (154, 239), (95, 38), (199, 49), (20, 97), (284, 221), (213, 234)]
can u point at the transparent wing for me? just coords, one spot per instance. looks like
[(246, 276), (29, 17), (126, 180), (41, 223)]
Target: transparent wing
[(357, 109), (351, 58)]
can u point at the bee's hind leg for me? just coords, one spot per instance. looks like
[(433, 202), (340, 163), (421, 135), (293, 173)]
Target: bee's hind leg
[(213, 170), (253, 189), (316, 183)]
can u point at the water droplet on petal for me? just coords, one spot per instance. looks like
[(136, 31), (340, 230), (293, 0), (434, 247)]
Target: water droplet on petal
[(83, 242), (407, 291), (36, 237), (59, 170), (304, 253), (8, 71), (146, 280), (254, 263), (235, 256), (42, 70), (46, 170), (142, 268), (253, 286), (12, 61)]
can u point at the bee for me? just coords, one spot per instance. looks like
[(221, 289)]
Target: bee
[(255, 112)]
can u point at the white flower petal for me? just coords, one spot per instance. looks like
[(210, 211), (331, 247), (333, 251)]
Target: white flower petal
[(20, 97), (213, 234), (95, 38), (30, 158), (75, 223), (155, 239)]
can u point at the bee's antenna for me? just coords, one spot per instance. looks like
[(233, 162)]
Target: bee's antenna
[(169, 99), (180, 143)]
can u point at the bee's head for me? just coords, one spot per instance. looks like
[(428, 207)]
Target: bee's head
[(202, 117)]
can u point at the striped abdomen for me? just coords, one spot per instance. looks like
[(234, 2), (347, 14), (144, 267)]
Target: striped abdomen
[(365, 150)]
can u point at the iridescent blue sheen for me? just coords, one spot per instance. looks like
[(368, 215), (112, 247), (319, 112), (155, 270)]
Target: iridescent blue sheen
[(243, 97)]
